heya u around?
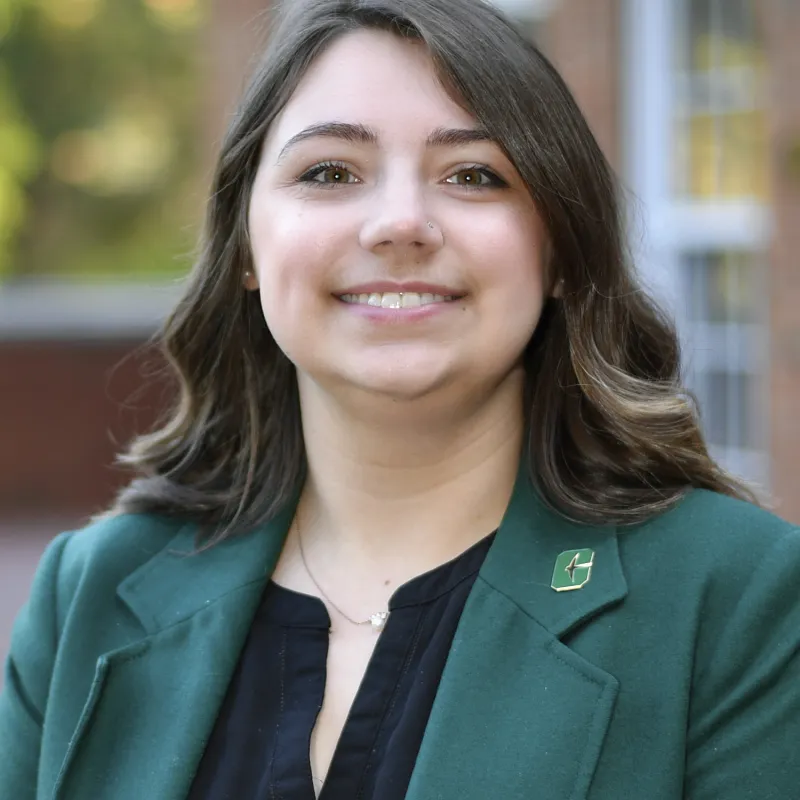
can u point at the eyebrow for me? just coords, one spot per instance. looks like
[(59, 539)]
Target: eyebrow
[(362, 134)]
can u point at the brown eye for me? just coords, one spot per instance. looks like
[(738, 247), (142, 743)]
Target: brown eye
[(329, 175), (476, 178), (470, 177), (334, 175)]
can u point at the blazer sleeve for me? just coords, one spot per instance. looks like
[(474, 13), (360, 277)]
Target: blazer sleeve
[(28, 670), (744, 728)]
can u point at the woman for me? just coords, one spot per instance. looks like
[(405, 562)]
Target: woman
[(432, 516)]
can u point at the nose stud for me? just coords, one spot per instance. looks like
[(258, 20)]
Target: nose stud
[(430, 225)]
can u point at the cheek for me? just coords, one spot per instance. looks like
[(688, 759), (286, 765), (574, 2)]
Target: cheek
[(288, 255), (512, 283), (512, 262)]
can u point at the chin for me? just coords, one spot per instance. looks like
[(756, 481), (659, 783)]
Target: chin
[(395, 385), (400, 390)]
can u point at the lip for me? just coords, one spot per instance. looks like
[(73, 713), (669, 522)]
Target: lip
[(418, 287), (401, 316)]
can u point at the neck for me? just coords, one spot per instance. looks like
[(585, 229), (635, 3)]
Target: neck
[(403, 492)]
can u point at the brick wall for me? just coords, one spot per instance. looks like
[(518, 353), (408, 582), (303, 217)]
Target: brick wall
[(65, 409), (582, 38), (782, 31)]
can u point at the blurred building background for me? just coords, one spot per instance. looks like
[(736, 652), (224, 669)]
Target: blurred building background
[(110, 111)]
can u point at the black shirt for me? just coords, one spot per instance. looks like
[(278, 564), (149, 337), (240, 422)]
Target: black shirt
[(259, 748)]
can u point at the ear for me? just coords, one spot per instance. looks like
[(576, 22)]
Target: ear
[(556, 286), (249, 280)]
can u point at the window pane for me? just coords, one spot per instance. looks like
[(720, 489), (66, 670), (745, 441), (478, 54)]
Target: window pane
[(729, 414), (723, 287), (721, 155), (723, 309), (721, 146)]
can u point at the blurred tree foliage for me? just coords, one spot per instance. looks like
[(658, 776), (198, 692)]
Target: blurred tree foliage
[(100, 144)]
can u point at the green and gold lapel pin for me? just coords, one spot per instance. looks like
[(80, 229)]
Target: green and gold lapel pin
[(573, 570)]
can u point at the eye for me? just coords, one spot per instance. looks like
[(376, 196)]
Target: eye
[(329, 173), (476, 177)]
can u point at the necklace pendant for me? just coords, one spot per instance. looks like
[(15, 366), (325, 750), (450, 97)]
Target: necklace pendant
[(378, 621)]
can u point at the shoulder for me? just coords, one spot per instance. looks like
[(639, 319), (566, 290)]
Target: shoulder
[(97, 558), (710, 513), (727, 582), (75, 585), (713, 530), (122, 537), (714, 562), (722, 568)]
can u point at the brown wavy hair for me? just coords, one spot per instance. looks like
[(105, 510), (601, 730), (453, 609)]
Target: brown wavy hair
[(613, 437)]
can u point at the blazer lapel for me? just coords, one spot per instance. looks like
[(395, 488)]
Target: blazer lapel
[(153, 703), (519, 715)]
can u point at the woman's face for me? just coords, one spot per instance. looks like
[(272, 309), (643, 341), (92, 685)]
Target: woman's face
[(397, 250)]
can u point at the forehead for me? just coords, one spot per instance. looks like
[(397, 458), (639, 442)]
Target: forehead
[(375, 79)]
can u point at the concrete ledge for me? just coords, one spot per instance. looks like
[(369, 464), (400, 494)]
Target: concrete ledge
[(59, 310)]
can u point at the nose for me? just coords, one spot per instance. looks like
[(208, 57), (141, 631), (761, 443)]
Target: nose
[(398, 220)]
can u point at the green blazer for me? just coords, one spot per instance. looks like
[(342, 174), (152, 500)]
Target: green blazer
[(674, 672)]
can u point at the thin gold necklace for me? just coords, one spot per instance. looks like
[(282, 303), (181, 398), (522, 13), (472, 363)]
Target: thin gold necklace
[(377, 620)]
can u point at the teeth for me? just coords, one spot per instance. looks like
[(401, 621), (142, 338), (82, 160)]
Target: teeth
[(396, 299), (391, 301)]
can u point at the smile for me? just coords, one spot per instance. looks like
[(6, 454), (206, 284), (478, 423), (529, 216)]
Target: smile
[(396, 299)]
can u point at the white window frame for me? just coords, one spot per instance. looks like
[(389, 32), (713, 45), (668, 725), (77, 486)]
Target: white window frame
[(664, 226)]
